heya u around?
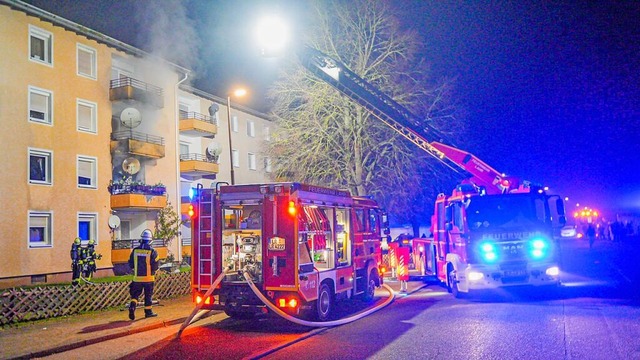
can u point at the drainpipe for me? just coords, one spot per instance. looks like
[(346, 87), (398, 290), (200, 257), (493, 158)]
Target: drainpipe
[(178, 183)]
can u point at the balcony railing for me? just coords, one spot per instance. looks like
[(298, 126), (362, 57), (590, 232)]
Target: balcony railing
[(186, 241), (132, 243), (134, 135), (136, 188), (199, 157), (126, 88), (191, 115)]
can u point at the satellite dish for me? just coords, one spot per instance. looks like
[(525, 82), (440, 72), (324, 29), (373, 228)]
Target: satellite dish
[(213, 151), (131, 165), (130, 117), (114, 221)]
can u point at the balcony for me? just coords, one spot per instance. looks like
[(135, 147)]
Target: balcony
[(197, 125), (136, 197), (137, 143), (121, 250), (197, 166), (126, 88)]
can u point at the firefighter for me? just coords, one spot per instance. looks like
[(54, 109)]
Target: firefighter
[(144, 262), (76, 260), (90, 258)]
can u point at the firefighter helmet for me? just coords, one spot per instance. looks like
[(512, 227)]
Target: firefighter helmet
[(77, 241), (145, 237), (91, 242)]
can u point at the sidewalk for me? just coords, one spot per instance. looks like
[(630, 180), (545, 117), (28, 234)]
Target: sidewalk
[(46, 337)]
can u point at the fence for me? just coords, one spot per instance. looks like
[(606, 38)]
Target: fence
[(26, 304)]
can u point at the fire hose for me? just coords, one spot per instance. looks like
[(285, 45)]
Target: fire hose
[(196, 313), (293, 319)]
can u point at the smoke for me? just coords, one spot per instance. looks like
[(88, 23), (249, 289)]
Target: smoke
[(167, 31)]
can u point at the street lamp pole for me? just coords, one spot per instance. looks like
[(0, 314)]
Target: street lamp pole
[(230, 147)]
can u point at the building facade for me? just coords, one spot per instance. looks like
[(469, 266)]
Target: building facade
[(98, 137)]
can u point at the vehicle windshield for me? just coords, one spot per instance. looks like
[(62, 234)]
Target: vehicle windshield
[(505, 211)]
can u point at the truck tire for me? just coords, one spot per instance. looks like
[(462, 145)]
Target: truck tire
[(370, 289), (324, 304), (452, 284)]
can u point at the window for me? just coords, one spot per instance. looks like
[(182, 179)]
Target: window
[(87, 116), (373, 222), (251, 129), (87, 228), (87, 59), (234, 123), (184, 149), (40, 45), (40, 109), (267, 165), (124, 231), (267, 133), (251, 159), (236, 158), (40, 165), (87, 174), (40, 224)]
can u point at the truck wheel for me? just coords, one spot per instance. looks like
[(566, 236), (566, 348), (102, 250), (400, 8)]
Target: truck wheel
[(324, 304), (452, 284), (370, 291)]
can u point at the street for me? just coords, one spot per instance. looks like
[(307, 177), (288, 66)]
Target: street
[(593, 316)]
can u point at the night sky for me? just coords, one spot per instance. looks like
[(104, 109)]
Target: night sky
[(551, 90)]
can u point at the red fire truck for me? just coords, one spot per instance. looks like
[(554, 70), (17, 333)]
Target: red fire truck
[(493, 230), (303, 246)]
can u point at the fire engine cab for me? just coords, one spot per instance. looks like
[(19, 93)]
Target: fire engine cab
[(303, 247)]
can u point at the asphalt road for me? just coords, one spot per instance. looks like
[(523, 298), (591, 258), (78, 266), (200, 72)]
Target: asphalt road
[(595, 315)]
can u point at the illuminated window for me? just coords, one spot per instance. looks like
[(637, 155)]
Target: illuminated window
[(234, 123), (236, 158), (87, 172), (251, 129), (40, 165), (40, 106), (87, 116), (87, 60), (267, 133), (40, 45), (251, 159), (40, 224)]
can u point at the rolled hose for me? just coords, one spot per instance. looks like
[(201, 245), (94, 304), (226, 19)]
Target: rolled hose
[(293, 319)]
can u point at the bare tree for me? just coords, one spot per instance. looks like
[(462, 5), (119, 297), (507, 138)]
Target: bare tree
[(324, 138)]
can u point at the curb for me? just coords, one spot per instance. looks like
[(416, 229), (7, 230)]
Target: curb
[(87, 342)]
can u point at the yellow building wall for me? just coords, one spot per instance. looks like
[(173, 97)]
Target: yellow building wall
[(63, 198)]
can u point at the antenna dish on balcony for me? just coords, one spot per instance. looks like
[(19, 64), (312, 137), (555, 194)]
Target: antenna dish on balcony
[(114, 221), (213, 151), (130, 117), (131, 165)]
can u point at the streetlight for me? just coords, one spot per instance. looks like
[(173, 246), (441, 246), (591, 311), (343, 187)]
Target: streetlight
[(237, 93)]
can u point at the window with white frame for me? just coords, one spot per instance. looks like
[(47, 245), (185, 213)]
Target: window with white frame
[(40, 166), (87, 172), (251, 159), (251, 128), (87, 114), (40, 225), (87, 61), (267, 133), (40, 106), (234, 123), (235, 154), (267, 165), (87, 226), (40, 45)]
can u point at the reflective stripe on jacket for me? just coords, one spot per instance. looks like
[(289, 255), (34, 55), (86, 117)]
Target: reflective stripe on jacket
[(144, 262)]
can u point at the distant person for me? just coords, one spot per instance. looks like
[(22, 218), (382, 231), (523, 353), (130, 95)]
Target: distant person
[(144, 262), (591, 235)]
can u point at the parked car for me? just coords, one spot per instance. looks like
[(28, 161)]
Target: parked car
[(569, 232)]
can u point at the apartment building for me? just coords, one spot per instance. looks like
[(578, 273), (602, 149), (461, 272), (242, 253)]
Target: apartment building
[(97, 137)]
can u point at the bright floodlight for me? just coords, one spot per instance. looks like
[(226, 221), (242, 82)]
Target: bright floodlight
[(272, 35), (239, 92)]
